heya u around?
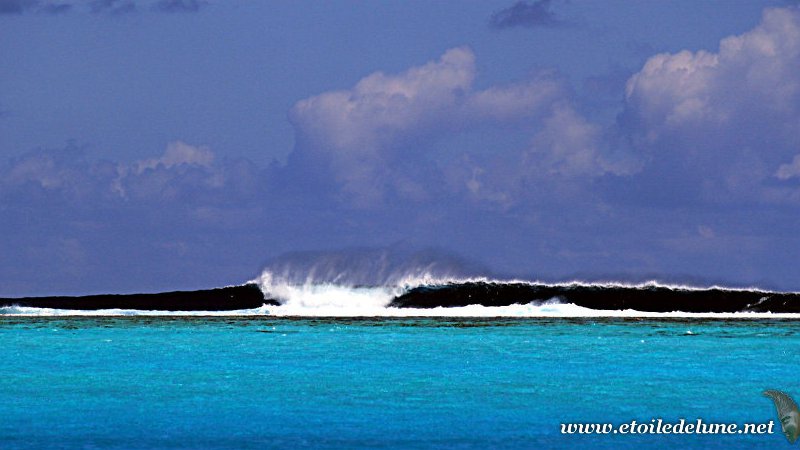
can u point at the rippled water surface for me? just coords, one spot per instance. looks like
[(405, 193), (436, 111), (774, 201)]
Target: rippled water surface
[(250, 382)]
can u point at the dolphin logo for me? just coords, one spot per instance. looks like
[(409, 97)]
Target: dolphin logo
[(788, 413)]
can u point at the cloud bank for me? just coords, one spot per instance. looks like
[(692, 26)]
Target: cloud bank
[(184, 175), (369, 141)]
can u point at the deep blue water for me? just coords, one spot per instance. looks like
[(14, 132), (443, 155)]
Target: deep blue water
[(252, 382)]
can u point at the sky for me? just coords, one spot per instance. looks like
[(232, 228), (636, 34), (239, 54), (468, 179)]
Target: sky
[(151, 145)]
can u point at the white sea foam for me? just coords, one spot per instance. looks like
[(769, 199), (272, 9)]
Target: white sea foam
[(330, 309), (50, 312)]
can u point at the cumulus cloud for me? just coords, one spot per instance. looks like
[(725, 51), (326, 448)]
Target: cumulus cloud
[(184, 172), (568, 145), (381, 105), (33, 177), (701, 114), (560, 164), (790, 170), (178, 153), (363, 134), (524, 14)]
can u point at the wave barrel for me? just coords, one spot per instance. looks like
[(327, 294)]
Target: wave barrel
[(646, 298)]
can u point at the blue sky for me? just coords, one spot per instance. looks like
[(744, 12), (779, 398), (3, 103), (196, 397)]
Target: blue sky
[(176, 144)]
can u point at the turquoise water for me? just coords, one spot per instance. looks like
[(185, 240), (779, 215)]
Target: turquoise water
[(256, 382)]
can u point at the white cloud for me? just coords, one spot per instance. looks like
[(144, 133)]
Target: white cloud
[(790, 170), (674, 90), (182, 168), (380, 105), (568, 145), (43, 172), (360, 134), (176, 154), (186, 173), (40, 169), (703, 112)]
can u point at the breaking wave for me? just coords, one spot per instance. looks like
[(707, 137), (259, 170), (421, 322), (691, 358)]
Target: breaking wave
[(427, 296), (379, 283)]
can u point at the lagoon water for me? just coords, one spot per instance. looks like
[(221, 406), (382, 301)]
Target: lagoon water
[(265, 382)]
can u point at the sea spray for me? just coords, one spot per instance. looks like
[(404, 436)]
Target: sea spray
[(353, 282)]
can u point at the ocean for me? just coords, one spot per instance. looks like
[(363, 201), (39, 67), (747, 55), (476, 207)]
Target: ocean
[(337, 367)]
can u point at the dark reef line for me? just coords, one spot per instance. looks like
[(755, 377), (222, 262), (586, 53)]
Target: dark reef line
[(640, 298), (230, 298), (600, 297)]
